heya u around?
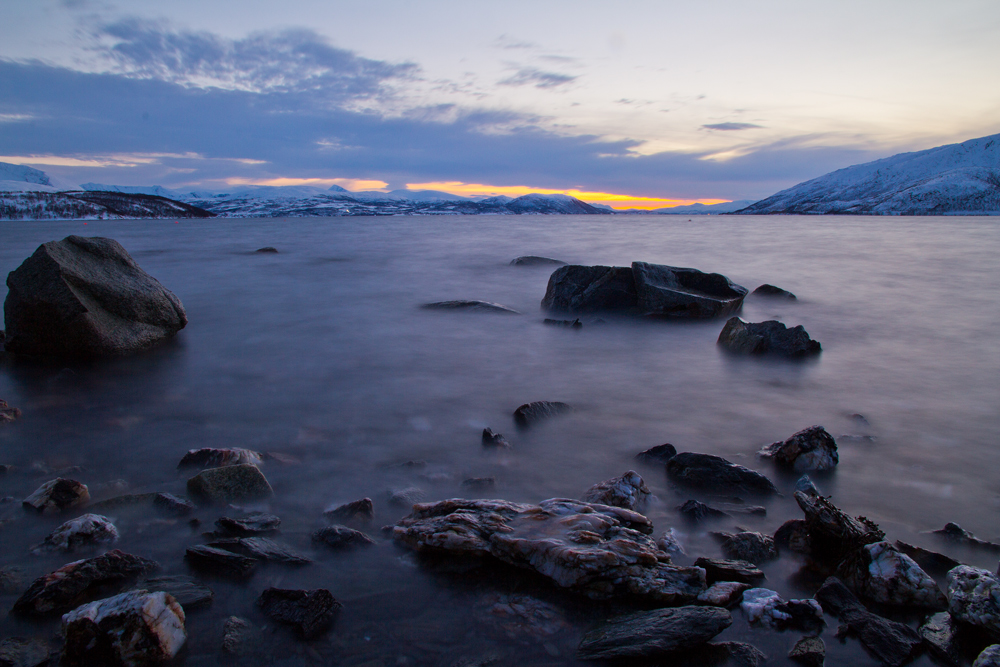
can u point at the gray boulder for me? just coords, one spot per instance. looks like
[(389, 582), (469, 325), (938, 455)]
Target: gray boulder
[(769, 337), (705, 471), (974, 598), (990, 657), (235, 483), (810, 449), (882, 573), (82, 298), (591, 289), (651, 634), (670, 291), (628, 491)]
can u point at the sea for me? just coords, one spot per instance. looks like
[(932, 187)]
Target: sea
[(322, 353)]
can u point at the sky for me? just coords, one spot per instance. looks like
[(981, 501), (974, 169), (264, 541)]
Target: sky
[(634, 104)]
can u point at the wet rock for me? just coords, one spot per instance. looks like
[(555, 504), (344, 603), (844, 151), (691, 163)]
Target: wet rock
[(883, 574), (531, 413), (407, 497), (521, 618), (930, 561), (173, 505), (57, 495), (484, 306), (651, 634), (809, 449), (7, 413), (238, 636), (670, 291), (668, 542), (974, 598), (833, 534), (209, 457), (235, 483), (492, 439), (770, 337), (479, 484), (85, 531), (658, 455), (627, 491), (189, 593), (80, 581), (6, 469), (955, 533), (220, 561), (990, 657), (309, 612), (752, 547), (254, 523), (534, 260), (717, 569), (794, 536), (262, 549), (21, 652), (569, 324), (85, 298), (130, 629), (939, 633), (705, 471), (588, 289), (729, 654), (341, 537), (267, 249), (123, 502), (807, 486), (723, 593), (809, 651), (361, 511), (891, 642), (765, 606), (772, 291), (598, 550), (11, 579)]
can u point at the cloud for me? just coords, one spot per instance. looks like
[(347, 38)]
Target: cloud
[(507, 42), (528, 76), (730, 126)]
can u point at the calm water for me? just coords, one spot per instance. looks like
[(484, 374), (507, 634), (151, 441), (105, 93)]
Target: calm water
[(322, 352)]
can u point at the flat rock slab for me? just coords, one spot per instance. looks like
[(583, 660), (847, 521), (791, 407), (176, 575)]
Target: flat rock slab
[(532, 413), (220, 561), (341, 538), (598, 550), (717, 569), (262, 549), (805, 451), (80, 581), (653, 633), (236, 483), (254, 523), (479, 306), (930, 561), (57, 495), (706, 471), (82, 298), (770, 337), (189, 593), (309, 612)]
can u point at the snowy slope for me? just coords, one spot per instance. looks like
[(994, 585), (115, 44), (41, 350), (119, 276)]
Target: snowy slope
[(20, 174), (955, 179)]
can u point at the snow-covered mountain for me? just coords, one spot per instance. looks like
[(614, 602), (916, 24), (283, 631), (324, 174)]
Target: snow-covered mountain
[(695, 209), (948, 180)]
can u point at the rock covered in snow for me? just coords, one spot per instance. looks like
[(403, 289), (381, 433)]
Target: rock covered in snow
[(57, 495), (765, 606), (883, 574), (233, 483), (974, 598), (809, 449), (706, 471), (211, 457), (598, 550), (627, 491), (83, 531), (769, 337), (131, 629), (651, 634)]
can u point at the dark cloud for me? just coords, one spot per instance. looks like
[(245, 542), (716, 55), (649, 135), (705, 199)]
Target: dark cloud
[(730, 126), (285, 61), (533, 77)]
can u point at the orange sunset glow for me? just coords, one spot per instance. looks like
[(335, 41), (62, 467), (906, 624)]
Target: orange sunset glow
[(616, 201)]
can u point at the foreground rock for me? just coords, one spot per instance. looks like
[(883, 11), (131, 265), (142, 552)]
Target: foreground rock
[(262, 549), (653, 634), (974, 598), (7, 413), (79, 582), (189, 593), (309, 612), (809, 651), (210, 457), (600, 551), (705, 471), (341, 538), (532, 413), (254, 523), (493, 439), (483, 306), (657, 455), (82, 298), (883, 574), (627, 491), (767, 607), (770, 337), (21, 652), (891, 642), (134, 628), (235, 483), (832, 533), (84, 531), (940, 634), (57, 495), (774, 292), (990, 657), (361, 511), (808, 450)]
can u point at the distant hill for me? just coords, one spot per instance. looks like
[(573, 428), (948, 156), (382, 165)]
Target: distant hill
[(694, 209), (958, 179), (34, 205)]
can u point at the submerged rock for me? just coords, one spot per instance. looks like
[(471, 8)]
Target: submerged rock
[(534, 260), (651, 634), (362, 511), (267, 249), (521, 618), (752, 547), (131, 629), (86, 297), (769, 337), (974, 598), (7, 413), (341, 537), (939, 633), (531, 413), (955, 533), (885, 575), (598, 550), (809, 651), (705, 471), (220, 561), (809, 449), (309, 612), (189, 593), (254, 523), (262, 549), (657, 455), (492, 439), (406, 497), (717, 569), (84, 531), (772, 291), (484, 306), (479, 484), (234, 483), (628, 491), (57, 495), (79, 582), (767, 607), (170, 504), (210, 457)]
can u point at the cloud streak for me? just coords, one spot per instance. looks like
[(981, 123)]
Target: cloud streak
[(731, 126), (529, 76)]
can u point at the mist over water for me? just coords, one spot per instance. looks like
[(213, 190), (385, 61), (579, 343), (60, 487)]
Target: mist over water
[(322, 352)]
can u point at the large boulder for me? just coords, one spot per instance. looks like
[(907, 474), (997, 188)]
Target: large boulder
[(882, 573), (84, 531), (974, 599), (809, 449), (650, 634), (86, 298), (600, 551), (589, 289), (714, 473), (235, 483), (769, 337)]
